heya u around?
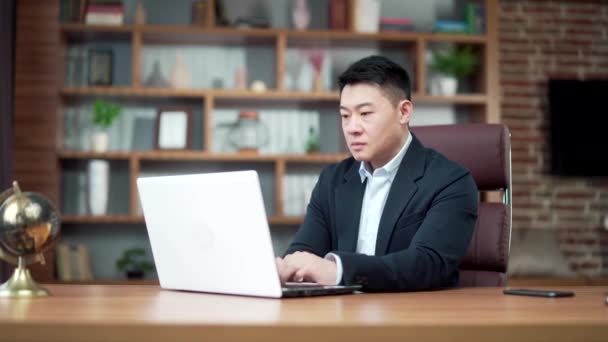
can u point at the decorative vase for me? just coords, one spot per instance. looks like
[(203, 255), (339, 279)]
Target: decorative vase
[(240, 78), (99, 179), (318, 82), (301, 14), (156, 78), (99, 141), (444, 85), (180, 76), (135, 274)]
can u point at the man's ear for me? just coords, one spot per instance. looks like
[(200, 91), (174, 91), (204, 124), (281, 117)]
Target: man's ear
[(406, 107)]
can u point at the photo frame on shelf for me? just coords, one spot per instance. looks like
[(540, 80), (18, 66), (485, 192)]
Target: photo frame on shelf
[(173, 129), (100, 67)]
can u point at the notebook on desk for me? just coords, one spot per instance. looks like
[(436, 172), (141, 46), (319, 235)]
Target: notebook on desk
[(209, 233)]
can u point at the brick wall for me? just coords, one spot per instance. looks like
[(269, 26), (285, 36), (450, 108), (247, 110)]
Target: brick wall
[(538, 40)]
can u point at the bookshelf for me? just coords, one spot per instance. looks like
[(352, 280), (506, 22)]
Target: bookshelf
[(479, 102)]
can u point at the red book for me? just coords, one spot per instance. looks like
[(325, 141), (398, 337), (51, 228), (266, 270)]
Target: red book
[(338, 14)]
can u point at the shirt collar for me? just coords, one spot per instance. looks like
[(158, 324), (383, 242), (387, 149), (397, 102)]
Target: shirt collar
[(389, 168)]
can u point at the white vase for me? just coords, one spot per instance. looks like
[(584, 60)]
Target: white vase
[(180, 75), (99, 141), (444, 85), (98, 174)]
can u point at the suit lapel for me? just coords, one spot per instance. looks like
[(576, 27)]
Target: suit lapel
[(348, 199), (401, 192)]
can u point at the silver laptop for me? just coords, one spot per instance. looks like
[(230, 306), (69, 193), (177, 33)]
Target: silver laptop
[(209, 233)]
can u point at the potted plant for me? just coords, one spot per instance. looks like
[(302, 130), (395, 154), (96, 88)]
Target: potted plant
[(104, 114), (451, 66), (133, 264)]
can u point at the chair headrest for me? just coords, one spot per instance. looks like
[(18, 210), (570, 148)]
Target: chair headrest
[(482, 148)]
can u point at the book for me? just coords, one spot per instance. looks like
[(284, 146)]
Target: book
[(73, 262), (338, 14), (366, 15), (397, 24), (104, 14), (450, 26)]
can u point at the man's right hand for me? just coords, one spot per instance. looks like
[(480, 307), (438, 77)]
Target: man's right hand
[(304, 266)]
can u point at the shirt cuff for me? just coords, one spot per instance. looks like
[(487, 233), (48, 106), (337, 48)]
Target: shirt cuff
[(335, 258)]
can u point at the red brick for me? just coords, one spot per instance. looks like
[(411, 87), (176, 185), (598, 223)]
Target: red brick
[(564, 21), (510, 19), (587, 30), (539, 7), (570, 254), (583, 41), (575, 64), (515, 58), (508, 7), (573, 194), (507, 50), (561, 50), (589, 265), (565, 74)]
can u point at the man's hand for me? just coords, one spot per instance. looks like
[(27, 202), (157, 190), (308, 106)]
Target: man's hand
[(304, 266)]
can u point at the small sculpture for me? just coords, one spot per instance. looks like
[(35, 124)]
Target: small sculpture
[(301, 14)]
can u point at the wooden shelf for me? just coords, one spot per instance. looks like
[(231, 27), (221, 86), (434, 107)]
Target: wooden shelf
[(199, 93), (297, 37), (79, 27), (292, 96), (81, 32), (114, 155), (202, 156), (191, 33), (472, 99), (101, 219), (128, 219)]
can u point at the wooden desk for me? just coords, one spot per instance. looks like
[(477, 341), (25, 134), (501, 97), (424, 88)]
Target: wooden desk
[(146, 313)]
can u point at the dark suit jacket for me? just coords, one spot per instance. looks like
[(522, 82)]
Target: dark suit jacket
[(424, 231)]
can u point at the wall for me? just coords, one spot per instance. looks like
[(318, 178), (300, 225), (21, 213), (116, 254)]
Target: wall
[(35, 104), (554, 218)]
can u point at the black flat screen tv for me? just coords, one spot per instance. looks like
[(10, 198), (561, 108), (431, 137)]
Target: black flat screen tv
[(578, 117)]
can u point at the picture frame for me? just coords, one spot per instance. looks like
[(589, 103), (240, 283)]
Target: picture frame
[(101, 62), (173, 129)]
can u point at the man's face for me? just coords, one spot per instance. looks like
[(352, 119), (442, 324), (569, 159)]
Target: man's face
[(374, 128)]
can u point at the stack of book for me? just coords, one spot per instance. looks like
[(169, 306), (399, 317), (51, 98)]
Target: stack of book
[(71, 10), (450, 26), (473, 23), (104, 12), (73, 262), (199, 14), (397, 24)]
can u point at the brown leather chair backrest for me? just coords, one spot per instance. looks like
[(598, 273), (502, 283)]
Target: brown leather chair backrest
[(484, 149)]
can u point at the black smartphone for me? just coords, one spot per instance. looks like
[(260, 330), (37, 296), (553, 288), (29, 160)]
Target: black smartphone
[(539, 293)]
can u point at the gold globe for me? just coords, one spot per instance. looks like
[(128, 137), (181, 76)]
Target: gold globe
[(29, 225)]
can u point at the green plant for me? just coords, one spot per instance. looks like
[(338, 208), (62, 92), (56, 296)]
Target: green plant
[(132, 259), (104, 113), (455, 62), (312, 143)]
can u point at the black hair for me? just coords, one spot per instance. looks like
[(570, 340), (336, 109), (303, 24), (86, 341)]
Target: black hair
[(390, 76)]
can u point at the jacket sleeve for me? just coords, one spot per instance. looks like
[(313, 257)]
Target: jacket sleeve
[(435, 251), (314, 236)]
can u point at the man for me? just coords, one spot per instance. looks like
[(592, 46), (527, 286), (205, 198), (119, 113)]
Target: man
[(395, 216)]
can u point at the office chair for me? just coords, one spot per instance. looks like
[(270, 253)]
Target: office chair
[(484, 149)]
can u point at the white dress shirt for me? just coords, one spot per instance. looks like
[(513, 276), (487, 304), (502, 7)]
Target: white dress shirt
[(376, 192)]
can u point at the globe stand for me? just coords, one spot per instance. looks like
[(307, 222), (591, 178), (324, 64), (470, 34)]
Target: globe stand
[(21, 284)]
